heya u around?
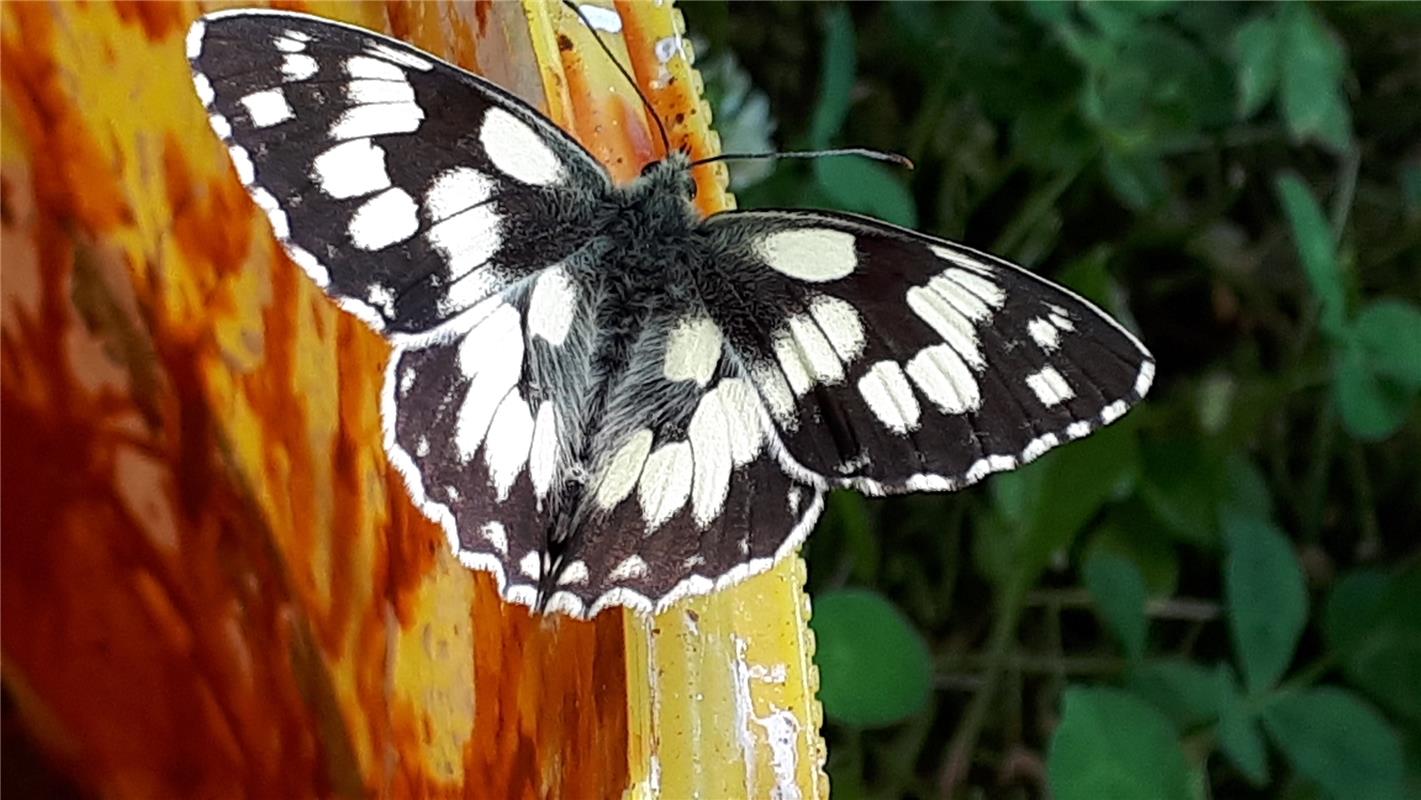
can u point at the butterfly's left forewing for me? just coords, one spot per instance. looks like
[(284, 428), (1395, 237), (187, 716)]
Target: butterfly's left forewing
[(447, 214)]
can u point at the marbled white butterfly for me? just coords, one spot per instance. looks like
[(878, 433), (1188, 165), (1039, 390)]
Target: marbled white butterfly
[(604, 398)]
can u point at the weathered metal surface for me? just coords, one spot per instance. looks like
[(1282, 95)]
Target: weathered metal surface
[(211, 582)]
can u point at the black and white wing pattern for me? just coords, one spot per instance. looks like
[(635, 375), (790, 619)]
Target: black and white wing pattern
[(407, 188), (685, 492), (445, 213), (893, 362), (602, 398)]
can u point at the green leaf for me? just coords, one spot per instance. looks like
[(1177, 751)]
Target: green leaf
[(1372, 623), (1255, 51), (1245, 489), (1242, 742), (1119, 594), (1112, 744), (1333, 738), (1372, 406), (1389, 332), (837, 75), (857, 184), (1052, 499), (1138, 179), (1313, 65), (1136, 540), (1317, 248), (874, 668), (1265, 596), (1239, 737), (1186, 692)]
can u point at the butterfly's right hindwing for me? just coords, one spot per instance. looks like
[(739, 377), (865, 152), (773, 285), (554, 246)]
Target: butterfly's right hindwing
[(409, 189)]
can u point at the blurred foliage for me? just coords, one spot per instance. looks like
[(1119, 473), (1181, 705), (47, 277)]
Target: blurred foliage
[(1219, 596)]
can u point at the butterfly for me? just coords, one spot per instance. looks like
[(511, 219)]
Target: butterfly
[(603, 397)]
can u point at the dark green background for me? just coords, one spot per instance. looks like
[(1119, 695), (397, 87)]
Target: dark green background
[(1219, 596)]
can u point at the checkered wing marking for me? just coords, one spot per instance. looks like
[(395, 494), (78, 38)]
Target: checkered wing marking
[(481, 426), (685, 493), (407, 188), (895, 362)]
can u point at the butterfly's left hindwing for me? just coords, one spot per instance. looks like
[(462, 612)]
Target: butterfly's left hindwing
[(894, 362), (407, 188)]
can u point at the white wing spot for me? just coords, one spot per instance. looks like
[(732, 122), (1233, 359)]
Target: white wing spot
[(494, 533), (574, 574), (551, 306), (365, 91), (742, 418), (194, 39), (793, 498), (806, 355), (711, 450), (1045, 334), (1114, 411), (665, 483), (510, 435), (203, 87), (455, 190), (381, 298), (810, 254), (542, 459), (267, 203), (779, 397), (492, 354), (890, 397), (841, 323), (622, 471), (1050, 387), (307, 262), (400, 56), (351, 169), (517, 150), (377, 120), (468, 239), (286, 44), (373, 68), (297, 67), (692, 350), (932, 305), (1145, 379), (531, 565), (246, 171), (976, 264), (945, 379), (385, 219), (979, 288), (630, 567), (1038, 446), (220, 126)]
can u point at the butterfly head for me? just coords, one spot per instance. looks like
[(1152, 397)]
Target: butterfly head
[(671, 175)]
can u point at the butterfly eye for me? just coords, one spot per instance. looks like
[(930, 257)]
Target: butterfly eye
[(691, 187)]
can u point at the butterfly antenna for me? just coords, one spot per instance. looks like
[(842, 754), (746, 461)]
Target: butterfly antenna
[(660, 126), (876, 155)]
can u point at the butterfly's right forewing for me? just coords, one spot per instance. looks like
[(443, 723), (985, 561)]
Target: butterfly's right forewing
[(407, 188)]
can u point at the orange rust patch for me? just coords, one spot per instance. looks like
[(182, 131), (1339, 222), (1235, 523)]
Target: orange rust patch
[(80, 184), (159, 20)]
